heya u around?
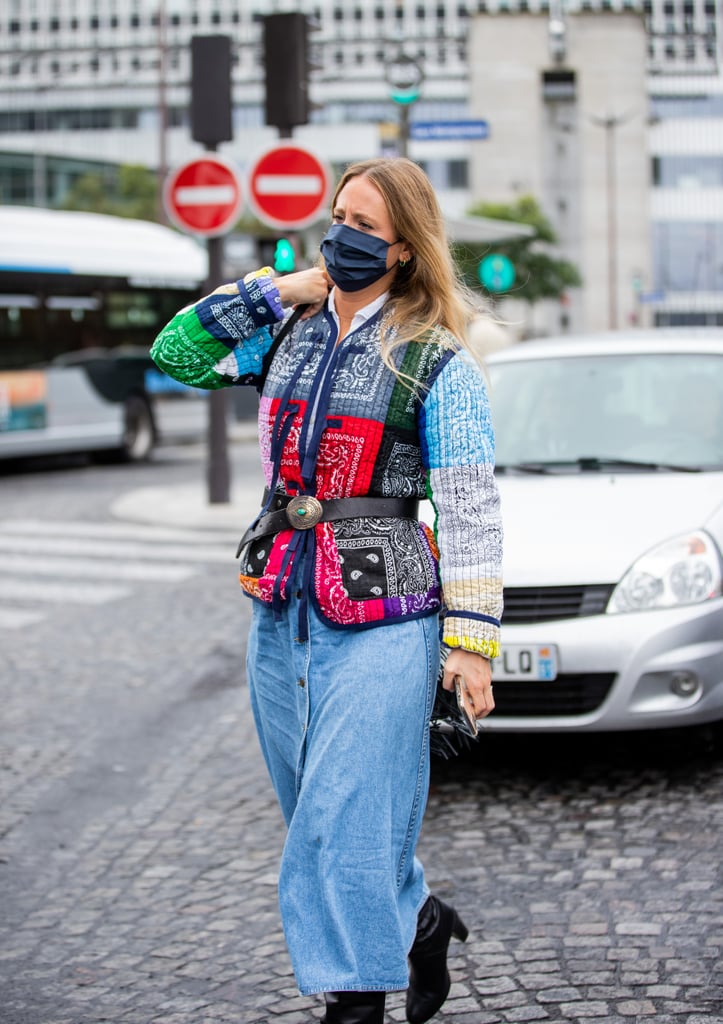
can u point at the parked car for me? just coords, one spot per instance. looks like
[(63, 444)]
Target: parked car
[(610, 468)]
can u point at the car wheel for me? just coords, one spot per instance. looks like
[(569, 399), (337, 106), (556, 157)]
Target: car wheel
[(139, 434)]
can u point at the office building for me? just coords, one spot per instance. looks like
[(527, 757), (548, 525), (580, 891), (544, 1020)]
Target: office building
[(96, 83)]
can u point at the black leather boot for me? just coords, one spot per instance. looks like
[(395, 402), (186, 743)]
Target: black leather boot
[(354, 1007), (429, 980)]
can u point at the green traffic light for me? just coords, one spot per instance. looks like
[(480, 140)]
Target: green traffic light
[(284, 256)]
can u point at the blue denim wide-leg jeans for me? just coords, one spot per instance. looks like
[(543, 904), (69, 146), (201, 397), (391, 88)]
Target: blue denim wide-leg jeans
[(343, 723)]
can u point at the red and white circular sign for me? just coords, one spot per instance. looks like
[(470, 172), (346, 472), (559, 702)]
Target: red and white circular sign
[(204, 196), (289, 187)]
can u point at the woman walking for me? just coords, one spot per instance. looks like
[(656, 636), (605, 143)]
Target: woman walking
[(369, 402)]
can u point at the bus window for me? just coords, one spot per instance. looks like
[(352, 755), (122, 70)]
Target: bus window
[(82, 297)]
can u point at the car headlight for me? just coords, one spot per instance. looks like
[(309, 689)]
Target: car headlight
[(680, 571)]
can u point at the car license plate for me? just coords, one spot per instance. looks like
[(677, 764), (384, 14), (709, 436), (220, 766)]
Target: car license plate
[(523, 662)]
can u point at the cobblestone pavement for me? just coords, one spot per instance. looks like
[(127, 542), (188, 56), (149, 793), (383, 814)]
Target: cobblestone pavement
[(139, 844), (589, 898)]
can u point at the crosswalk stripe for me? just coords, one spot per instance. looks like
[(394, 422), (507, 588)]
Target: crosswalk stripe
[(47, 590), (134, 531), (50, 562), (94, 568), (116, 549), (14, 618)]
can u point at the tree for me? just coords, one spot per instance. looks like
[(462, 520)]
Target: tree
[(538, 275), (128, 191)]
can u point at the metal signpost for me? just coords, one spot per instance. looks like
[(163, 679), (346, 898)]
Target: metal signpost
[(204, 197)]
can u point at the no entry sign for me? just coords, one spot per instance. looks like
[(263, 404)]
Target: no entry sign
[(203, 196), (289, 187)]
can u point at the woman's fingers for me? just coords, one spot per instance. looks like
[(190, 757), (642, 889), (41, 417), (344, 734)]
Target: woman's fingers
[(476, 675)]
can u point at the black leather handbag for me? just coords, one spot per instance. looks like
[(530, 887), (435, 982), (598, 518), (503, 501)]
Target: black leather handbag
[(449, 732)]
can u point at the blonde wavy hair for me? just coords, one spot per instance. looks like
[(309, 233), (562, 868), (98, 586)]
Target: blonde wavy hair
[(427, 293)]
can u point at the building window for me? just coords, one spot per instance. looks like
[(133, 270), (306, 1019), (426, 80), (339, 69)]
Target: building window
[(688, 172), (458, 174), (688, 256), (690, 106)]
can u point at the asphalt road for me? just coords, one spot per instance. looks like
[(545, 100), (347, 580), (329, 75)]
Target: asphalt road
[(139, 838)]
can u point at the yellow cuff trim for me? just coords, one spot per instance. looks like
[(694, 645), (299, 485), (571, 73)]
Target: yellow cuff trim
[(489, 648), (261, 272)]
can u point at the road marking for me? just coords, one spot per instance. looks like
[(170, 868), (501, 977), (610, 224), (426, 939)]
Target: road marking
[(13, 618), (12, 589), (115, 549), (44, 563), (94, 568), (140, 531)]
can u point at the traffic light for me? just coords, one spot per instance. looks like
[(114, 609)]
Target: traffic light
[(278, 253), (286, 63), (284, 256), (211, 120)]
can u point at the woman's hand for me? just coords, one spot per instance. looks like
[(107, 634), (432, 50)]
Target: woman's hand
[(476, 675), (306, 287)]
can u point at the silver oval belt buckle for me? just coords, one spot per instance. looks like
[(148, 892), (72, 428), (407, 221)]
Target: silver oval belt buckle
[(304, 511)]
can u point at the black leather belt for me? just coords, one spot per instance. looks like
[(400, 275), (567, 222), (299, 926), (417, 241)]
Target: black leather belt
[(302, 512)]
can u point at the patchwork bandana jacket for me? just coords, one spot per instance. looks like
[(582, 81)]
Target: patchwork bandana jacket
[(335, 422)]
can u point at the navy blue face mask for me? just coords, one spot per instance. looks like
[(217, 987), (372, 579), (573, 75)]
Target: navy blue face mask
[(354, 259)]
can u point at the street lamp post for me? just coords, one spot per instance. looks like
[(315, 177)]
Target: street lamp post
[(162, 110), (404, 76), (611, 123)]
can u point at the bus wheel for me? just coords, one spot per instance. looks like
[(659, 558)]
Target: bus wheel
[(139, 434)]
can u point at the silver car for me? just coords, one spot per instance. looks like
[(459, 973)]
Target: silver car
[(610, 468)]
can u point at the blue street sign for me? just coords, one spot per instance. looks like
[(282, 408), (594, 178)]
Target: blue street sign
[(438, 131)]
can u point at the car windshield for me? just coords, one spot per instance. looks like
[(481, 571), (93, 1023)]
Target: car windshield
[(591, 412)]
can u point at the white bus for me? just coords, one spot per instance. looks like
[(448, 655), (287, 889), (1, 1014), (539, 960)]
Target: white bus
[(82, 296)]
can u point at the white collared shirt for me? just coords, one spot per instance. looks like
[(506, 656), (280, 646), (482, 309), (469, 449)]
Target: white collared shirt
[(362, 315)]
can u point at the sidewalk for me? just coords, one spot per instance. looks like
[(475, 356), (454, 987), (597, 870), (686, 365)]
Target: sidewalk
[(188, 505)]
